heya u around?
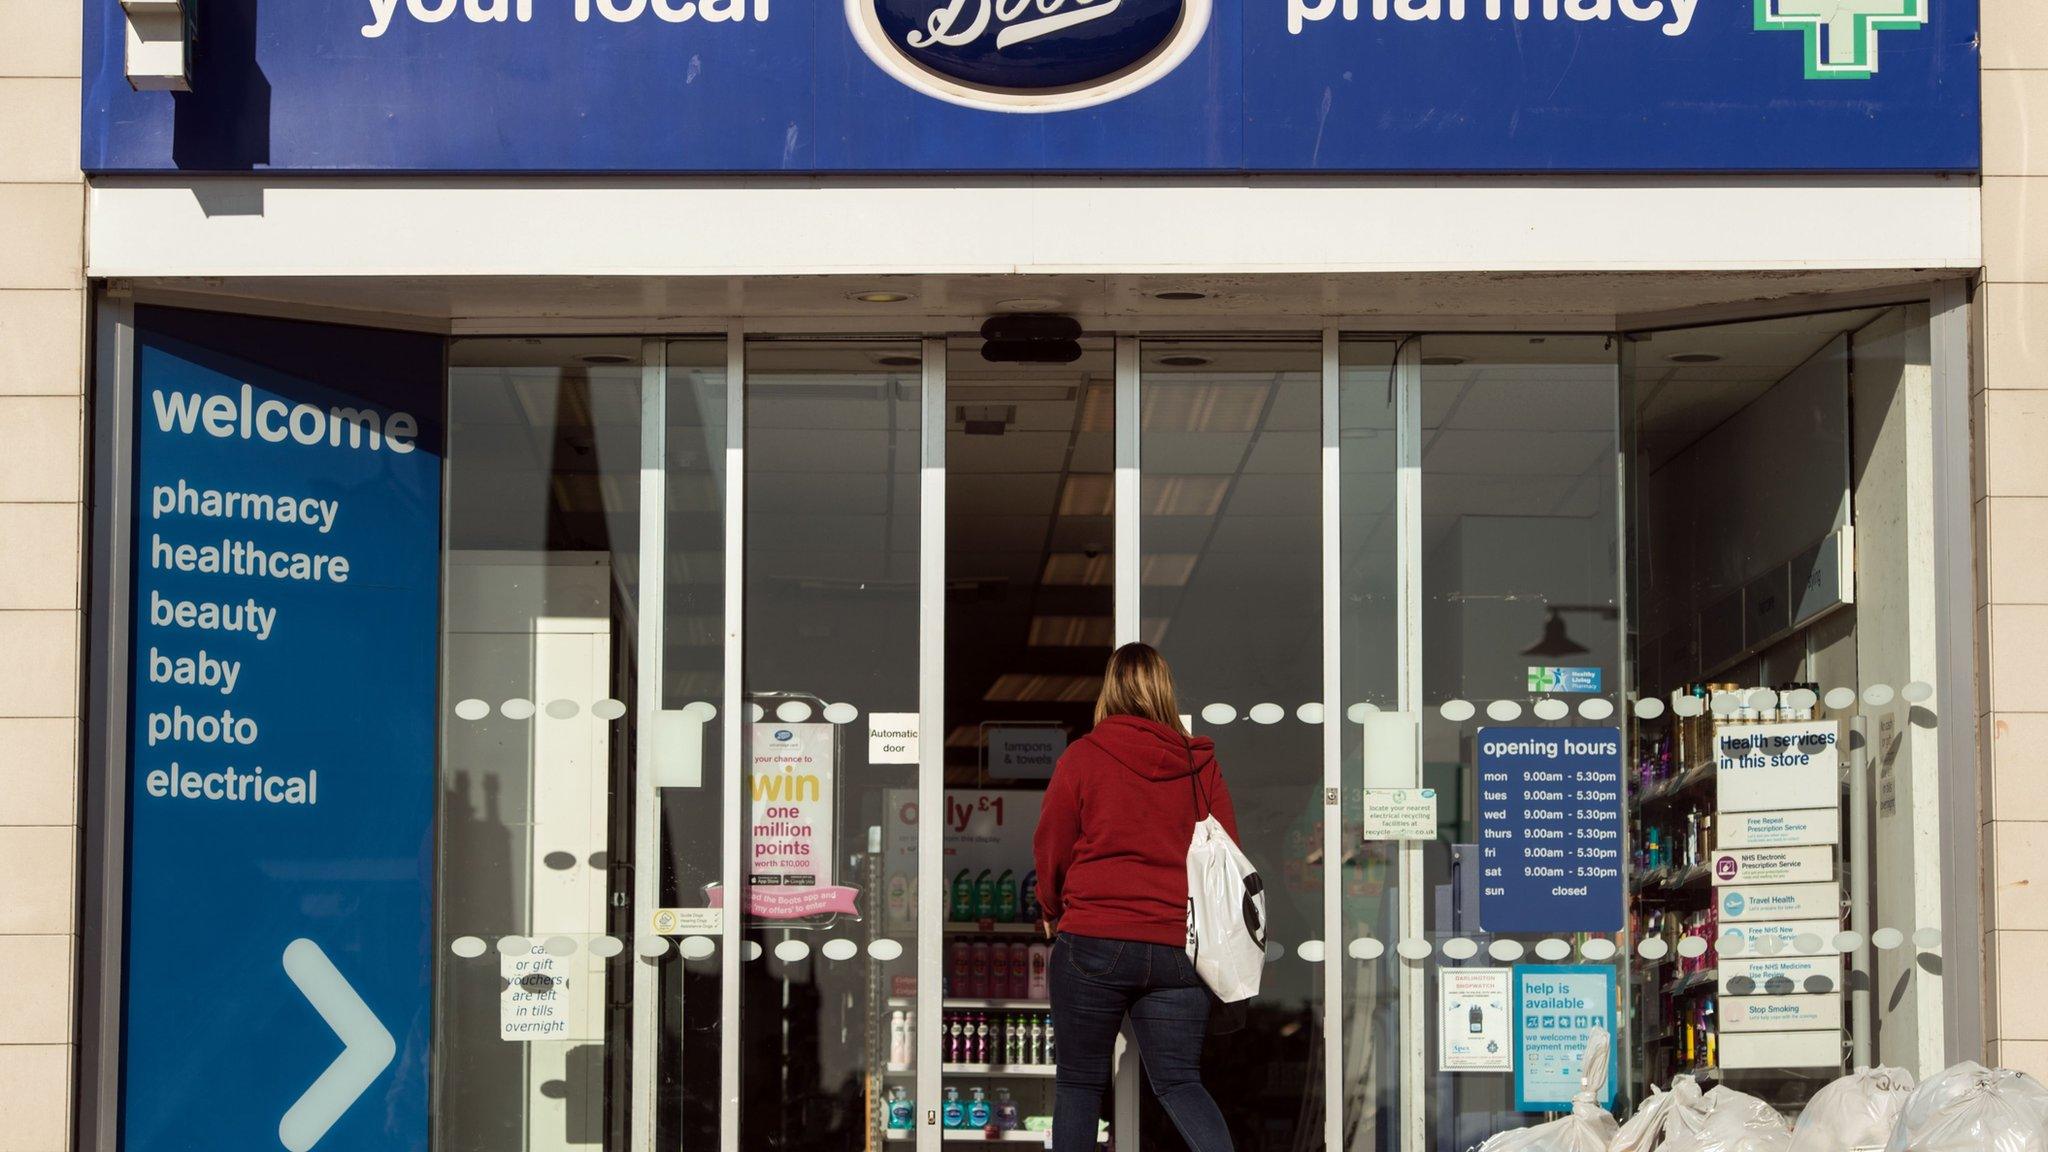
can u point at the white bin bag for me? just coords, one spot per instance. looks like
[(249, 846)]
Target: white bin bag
[(1588, 1129), (1226, 914), (1663, 1118), (1856, 1112), (1971, 1108), (1736, 1122)]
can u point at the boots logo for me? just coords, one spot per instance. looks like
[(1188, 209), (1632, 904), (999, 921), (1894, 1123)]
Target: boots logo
[(1841, 35), (1028, 55)]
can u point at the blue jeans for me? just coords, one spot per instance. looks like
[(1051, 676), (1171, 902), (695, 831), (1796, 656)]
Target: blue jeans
[(1097, 983)]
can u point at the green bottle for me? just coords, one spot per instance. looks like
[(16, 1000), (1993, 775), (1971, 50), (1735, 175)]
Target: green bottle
[(963, 897), (1006, 896), (985, 895)]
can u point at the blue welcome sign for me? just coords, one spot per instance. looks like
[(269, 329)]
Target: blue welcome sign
[(282, 738), (1049, 86)]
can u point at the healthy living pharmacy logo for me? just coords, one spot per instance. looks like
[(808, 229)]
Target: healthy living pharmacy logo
[(1841, 35)]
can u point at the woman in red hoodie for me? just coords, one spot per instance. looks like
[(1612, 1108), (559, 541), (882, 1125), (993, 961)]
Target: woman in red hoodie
[(1112, 848)]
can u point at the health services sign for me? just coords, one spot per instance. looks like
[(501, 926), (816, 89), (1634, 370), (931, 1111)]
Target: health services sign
[(1048, 86)]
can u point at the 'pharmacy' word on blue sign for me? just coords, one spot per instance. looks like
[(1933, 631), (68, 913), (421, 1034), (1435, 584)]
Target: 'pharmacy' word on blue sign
[(287, 538), (1559, 1008), (1550, 830), (1171, 86)]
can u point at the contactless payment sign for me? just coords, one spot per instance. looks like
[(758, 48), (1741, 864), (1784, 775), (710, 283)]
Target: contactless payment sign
[(286, 583), (1049, 86)]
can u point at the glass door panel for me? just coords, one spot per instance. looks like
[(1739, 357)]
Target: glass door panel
[(831, 870), (1370, 565), (1231, 592), (1522, 662)]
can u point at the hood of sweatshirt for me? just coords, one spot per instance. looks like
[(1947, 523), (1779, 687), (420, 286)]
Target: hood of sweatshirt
[(1152, 750)]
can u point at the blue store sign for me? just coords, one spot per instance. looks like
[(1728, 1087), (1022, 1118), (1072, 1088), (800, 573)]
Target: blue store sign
[(282, 737), (1049, 86)]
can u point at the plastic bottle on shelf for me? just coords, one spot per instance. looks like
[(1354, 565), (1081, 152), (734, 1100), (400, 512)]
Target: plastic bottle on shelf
[(963, 896), (1005, 908), (961, 968), (954, 1113), (983, 1052), (985, 895), (998, 971), (1020, 971), (902, 1110), (898, 1049), (1052, 1048), (978, 1116), (1038, 983), (1027, 898), (1035, 1052), (977, 970), (1006, 1111)]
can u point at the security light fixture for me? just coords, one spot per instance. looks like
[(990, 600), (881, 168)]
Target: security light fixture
[(1180, 294), (1693, 358), (897, 360), (603, 359), (880, 297), (1183, 361)]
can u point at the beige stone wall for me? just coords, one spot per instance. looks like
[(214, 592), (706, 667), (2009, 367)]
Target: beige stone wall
[(42, 436), (2011, 418)]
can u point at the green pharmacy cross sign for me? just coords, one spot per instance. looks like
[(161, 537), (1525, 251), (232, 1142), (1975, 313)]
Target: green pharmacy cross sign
[(1841, 35)]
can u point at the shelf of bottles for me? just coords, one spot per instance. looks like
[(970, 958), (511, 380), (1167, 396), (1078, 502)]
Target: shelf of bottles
[(1676, 898)]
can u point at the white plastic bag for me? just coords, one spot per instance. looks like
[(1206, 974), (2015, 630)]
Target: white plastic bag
[(1736, 1122), (1588, 1129), (1971, 1108), (1226, 914), (1856, 1112), (1664, 1117)]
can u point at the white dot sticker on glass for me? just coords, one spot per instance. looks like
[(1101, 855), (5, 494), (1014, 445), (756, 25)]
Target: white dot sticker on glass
[(468, 947), (1887, 939), (472, 709), (562, 709), (1460, 948), (1692, 947), (792, 951), (885, 950), (1552, 949), (1655, 948), (1358, 712), (606, 947), (750, 951), (1649, 708), (1878, 695), (1267, 714), (1505, 951), (703, 711), (1596, 708), (1732, 943), (1918, 692), (1413, 949), (1840, 699), (1806, 942), (840, 950), (517, 708), (1725, 703), (560, 946), (1688, 706), (1551, 709), (1760, 698), (1799, 698), (1218, 714), (755, 712), (1366, 948), (608, 709), (1274, 951), (1598, 950), (841, 713), (1927, 939), (514, 945), (1848, 941), (1309, 713), (793, 712), (697, 947), (1457, 711), (1311, 951), (652, 946), (1503, 711)]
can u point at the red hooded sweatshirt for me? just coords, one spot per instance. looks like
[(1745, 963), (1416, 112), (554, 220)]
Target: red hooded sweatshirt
[(1112, 842)]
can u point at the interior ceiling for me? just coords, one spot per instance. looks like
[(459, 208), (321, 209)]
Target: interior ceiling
[(682, 304)]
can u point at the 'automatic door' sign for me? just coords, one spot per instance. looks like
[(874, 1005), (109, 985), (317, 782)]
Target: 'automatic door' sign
[(1028, 55)]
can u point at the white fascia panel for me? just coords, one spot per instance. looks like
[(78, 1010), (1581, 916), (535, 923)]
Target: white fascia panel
[(771, 227)]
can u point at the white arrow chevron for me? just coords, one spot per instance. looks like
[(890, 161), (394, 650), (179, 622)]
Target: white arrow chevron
[(367, 1047)]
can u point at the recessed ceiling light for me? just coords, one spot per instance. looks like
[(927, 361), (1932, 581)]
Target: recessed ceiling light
[(897, 360), (603, 358), (1180, 295), (1028, 304), (880, 297), (1442, 361), (1693, 358), (1183, 361)]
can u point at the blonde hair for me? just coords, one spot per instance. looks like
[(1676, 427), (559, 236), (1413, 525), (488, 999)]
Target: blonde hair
[(1138, 683)]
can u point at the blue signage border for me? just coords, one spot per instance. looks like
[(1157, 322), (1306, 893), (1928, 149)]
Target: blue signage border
[(1165, 86), (1556, 1036)]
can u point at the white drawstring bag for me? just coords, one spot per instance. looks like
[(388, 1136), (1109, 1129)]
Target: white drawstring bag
[(1226, 909), (1588, 1129)]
